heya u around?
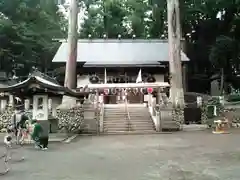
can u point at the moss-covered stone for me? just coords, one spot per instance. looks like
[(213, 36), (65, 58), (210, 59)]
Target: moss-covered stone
[(204, 113), (207, 111), (71, 120), (5, 118), (178, 117)]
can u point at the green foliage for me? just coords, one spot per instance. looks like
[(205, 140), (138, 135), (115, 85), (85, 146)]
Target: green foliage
[(113, 17), (233, 98), (27, 29)]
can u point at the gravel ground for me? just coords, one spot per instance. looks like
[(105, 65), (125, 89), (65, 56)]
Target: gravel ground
[(179, 156)]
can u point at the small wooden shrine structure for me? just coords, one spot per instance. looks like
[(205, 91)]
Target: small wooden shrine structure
[(40, 93)]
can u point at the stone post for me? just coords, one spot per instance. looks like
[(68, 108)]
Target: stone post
[(41, 112), (3, 104), (26, 104), (11, 100), (54, 103), (159, 96), (97, 112), (149, 100)]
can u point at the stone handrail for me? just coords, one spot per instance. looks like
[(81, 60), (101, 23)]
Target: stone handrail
[(101, 117), (127, 109), (128, 115), (155, 114)]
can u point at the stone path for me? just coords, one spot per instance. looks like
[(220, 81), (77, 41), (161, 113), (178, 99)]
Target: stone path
[(178, 156), (55, 137)]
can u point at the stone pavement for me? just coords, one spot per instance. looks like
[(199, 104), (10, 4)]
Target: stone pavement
[(196, 155), (54, 137)]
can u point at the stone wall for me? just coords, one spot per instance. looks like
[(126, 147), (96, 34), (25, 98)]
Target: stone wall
[(178, 116), (71, 120), (5, 118)]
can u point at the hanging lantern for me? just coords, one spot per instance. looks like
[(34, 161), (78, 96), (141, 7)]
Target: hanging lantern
[(114, 80), (110, 80), (127, 79), (94, 79), (106, 91), (101, 91), (144, 91), (151, 79), (122, 79), (135, 90), (150, 90), (144, 77)]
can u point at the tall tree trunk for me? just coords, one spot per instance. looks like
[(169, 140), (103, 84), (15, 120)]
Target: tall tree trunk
[(222, 82), (174, 41), (70, 73)]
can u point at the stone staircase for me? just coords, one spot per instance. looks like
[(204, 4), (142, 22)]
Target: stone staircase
[(116, 119)]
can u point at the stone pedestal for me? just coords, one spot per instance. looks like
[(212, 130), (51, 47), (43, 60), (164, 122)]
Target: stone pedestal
[(26, 104), (40, 111), (11, 100), (3, 104), (40, 107)]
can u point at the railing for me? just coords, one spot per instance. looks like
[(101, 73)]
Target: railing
[(128, 115), (155, 113), (101, 118)]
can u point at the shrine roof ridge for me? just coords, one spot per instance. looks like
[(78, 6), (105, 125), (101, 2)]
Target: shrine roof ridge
[(42, 83), (116, 52), (116, 40)]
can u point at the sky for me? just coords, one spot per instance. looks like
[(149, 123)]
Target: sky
[(65, 11)]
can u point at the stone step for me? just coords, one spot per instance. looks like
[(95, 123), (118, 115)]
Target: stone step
[(115, 124), (130, 132), (124, 121), (119, 118), (140, 119), (107, 129), (122, 128), (143, 123), (142, 129), (141, 126), (126, 129), (114, 114)]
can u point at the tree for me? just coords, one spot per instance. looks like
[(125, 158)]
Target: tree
[(113, 17), (224, 56), (27, 31)]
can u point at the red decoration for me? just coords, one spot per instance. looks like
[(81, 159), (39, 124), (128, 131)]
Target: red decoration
[(106, 91), (150, 90)]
